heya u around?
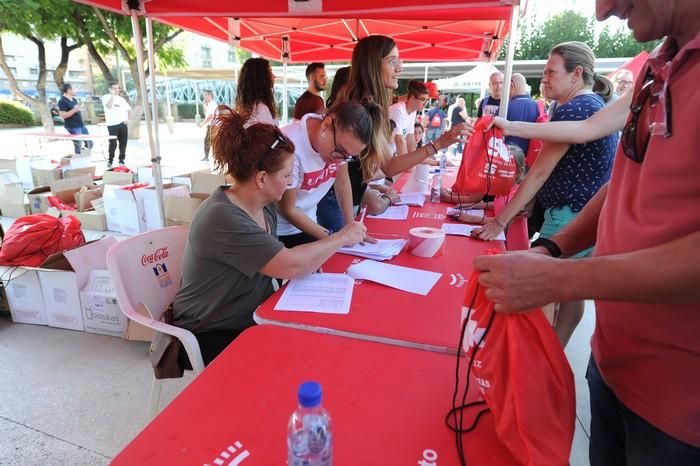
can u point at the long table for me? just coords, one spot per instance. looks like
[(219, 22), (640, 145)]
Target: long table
[(384, 314), (387, 406)]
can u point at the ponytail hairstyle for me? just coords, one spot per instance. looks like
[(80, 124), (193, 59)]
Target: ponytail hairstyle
[(365, 121), (242, 152), (366, 82), (255, 84)]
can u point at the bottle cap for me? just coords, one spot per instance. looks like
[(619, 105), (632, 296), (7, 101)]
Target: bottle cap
[(309, 394)]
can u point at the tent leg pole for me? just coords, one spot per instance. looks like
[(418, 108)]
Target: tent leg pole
[(512, 38), (155, 158)]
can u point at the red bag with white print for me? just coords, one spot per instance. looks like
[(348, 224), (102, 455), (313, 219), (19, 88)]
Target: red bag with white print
[(524, 377), (487, 166)]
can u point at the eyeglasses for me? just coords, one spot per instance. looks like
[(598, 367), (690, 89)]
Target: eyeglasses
[(656, 92), (337, 153)]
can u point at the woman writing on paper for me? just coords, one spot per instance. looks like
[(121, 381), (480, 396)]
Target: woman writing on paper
[(232, 249)]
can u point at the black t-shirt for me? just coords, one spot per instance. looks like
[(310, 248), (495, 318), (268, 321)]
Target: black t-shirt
[(65, 105), (456, 118)]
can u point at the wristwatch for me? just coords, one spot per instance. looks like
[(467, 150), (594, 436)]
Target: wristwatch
[(549, 245)]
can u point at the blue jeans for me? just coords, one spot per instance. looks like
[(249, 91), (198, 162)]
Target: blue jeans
[(77, 144), (328, 212), (621, 437), (433, 133)]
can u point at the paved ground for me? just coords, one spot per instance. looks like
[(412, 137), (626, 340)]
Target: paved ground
[(73, 398)]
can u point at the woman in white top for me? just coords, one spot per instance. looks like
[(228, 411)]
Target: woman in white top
[(255, 96), (323, 145)]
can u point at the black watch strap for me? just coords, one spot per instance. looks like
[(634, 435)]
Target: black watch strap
[(549, 245)]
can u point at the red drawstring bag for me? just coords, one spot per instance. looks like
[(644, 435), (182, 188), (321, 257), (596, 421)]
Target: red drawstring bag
[(33, 238), (487, 166), (524, 377), (535, 145)]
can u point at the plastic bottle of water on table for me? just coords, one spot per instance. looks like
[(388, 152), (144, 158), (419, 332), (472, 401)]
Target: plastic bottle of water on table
[(309, 434), (436, 186)]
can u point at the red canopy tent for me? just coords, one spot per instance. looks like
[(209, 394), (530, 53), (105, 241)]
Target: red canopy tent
[(326, 30)]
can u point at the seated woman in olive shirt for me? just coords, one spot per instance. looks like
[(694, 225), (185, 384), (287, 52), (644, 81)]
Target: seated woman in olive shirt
[(232, 250)]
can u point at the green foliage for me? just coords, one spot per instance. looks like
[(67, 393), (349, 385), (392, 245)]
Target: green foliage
[(536, 38), (620, 43), (15, 114), (43, 19), (242, 55)]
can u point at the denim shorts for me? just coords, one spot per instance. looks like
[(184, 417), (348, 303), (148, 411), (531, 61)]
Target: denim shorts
[(555, 219)]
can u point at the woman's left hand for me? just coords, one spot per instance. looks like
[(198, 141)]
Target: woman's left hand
[(462, 130)]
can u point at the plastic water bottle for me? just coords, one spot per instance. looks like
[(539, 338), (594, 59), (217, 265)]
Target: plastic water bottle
[(436, 186), (443, 161), (309, 434)]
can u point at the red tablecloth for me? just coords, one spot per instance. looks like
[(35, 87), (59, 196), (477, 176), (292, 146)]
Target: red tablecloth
[(387, 405), (385, 314)]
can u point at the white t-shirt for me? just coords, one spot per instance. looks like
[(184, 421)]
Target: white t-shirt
[(404, 120), (261, 114), (312, 177), (210, 109), (119, 113)]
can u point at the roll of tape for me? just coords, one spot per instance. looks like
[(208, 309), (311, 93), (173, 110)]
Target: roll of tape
[(426, 241)]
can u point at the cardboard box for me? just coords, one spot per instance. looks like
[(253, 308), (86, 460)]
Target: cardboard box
[(206, 183), (111, 206), (13, 201), (45, 175), (78, 172), (8, 164), (68, 184), (85, 196), (148, 199), (9, 177), (39, 199), (90, 220), (23, 291), (181, 210), (63, 275), (129, 211), (75, 161), (101, 311), (23, 167), (144, 174), (112, 177), (138, 332)]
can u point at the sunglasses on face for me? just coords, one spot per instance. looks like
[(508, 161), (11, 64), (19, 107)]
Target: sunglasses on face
[(655, 92)]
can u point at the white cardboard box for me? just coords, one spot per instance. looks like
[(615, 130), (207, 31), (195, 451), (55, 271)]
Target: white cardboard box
[(24, 295), (111, 207), (101, 312), (131, 217), (148, 199), (62, 276)]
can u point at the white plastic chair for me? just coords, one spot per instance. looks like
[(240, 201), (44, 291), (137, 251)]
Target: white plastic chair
[(146, 270)]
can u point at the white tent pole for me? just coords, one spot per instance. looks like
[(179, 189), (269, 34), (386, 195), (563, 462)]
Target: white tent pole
[(152, 73), (285, 61), (512, 38), (155, 158)]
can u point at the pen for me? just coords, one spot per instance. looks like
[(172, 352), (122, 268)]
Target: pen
[(363, 212)]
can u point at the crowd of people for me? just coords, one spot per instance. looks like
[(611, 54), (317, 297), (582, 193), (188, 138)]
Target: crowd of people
[(611, 195)]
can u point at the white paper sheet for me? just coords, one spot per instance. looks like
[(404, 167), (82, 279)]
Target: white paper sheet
[(403, 278), (382, 250), (414, 199), (325, 293), (464, 229), (397, 212)]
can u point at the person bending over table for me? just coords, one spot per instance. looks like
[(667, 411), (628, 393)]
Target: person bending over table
[(323, 145), (232, 249)]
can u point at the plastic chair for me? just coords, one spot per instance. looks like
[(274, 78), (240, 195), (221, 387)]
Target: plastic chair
[(146, 270)]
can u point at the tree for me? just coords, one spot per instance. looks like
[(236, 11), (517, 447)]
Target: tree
[(537, 39), (103, 32), (620, 43), (38, 21)]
